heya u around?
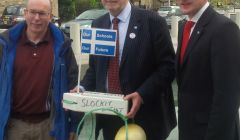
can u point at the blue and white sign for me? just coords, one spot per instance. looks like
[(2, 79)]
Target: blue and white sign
[(98, 41), (86, 47), (104, 49), (87, 34), (105, 35)]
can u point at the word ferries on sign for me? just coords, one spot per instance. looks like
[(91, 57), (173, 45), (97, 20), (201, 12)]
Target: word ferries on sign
[(88, 101)]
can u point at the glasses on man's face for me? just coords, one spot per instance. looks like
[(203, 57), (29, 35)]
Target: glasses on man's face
[(41, 14)]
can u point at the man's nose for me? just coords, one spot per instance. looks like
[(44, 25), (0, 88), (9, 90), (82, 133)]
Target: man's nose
[(37, 16)]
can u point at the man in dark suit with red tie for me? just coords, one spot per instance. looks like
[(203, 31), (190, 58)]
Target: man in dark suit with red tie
[(144, 70), (208, 74)]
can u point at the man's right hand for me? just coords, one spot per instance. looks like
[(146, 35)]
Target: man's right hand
[(75, 90)]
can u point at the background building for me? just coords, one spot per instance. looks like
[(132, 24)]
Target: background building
[(153, 4), (4, 3)]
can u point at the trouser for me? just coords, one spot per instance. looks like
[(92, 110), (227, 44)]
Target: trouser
[(109, 124), (22, 130), (237, 128)]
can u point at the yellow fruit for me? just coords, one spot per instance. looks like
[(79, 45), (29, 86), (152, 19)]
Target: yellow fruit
[(135, 132)]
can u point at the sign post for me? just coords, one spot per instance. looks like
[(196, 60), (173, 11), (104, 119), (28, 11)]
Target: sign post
[(74, 35)]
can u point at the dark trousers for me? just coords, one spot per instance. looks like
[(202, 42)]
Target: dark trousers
[(237, 128), (109, 124)]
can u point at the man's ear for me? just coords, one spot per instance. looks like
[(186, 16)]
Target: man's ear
[(51, 17), (25, 12)]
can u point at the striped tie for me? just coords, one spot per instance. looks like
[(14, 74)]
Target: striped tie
[(113, 69)]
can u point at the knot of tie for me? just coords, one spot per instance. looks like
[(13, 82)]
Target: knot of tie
[(115, 20), (189, 24)]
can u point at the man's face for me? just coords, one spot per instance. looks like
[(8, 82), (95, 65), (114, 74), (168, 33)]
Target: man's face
[(114, 6), (38, 15), (190, 7)]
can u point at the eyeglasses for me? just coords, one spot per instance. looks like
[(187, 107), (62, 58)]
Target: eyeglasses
[(41, 14)]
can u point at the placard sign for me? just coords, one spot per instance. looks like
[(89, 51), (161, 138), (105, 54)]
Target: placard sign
[(98, 41)]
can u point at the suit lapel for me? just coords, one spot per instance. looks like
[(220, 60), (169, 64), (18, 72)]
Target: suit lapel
[(180, 36), (193, 39), (131, 39), (107, 24), (197, 32)]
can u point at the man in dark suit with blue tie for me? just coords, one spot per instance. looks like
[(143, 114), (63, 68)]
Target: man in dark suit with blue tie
[(145, 70), (208, 74)]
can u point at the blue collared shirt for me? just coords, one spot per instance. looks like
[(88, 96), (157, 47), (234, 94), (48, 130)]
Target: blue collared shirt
[(124, 17)]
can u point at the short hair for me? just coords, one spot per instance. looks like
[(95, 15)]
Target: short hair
[(50, 2)]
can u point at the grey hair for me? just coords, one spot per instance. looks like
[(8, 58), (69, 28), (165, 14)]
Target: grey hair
[(50, 2)]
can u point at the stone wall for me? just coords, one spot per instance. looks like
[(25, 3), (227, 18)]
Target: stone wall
[(4, 3)]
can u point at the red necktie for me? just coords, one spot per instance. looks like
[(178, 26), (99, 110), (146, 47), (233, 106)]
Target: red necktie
[(113, 69), (186, 35)]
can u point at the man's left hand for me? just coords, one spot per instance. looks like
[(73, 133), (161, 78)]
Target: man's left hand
[(136, 103)]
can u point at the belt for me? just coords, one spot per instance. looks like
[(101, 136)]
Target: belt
[(31, 118)]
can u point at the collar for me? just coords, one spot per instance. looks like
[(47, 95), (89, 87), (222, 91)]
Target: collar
[(25, 41), (199, 13), (124, 15)]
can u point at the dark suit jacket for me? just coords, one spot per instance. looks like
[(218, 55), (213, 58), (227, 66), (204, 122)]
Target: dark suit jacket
[(209, 80), (147, 66)]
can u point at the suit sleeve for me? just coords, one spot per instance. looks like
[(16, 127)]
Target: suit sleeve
[(225, 51), (163, 74), (88, 81)]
